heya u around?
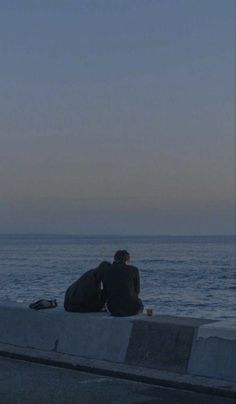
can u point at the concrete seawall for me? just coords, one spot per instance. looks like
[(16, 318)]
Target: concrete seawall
[(185, 347)]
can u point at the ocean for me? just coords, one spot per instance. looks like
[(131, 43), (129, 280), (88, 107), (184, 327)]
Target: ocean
[(183, 276)]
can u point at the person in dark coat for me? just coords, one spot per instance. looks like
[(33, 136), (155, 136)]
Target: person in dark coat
[(85, 294), (122, 286)]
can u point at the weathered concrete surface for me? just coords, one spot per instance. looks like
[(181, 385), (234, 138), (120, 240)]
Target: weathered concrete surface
[(27, 383), (222, 329), (214, 351), (91, 335), (162, 343), (95, 336), (157, 343), (27, 328)]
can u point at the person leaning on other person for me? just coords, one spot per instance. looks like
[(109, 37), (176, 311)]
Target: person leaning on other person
[(86, 294)]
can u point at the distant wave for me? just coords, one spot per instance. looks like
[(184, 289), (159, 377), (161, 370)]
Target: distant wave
[(148, 261)]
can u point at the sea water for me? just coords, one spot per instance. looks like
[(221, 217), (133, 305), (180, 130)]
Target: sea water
[(184, 276)]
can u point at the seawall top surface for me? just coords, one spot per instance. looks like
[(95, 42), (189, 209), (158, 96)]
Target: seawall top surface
[(225, 329), (59, 311)]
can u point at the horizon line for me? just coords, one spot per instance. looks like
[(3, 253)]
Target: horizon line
[(114, 234)]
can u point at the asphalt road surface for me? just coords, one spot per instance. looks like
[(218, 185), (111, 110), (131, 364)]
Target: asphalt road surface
[(29, 383)]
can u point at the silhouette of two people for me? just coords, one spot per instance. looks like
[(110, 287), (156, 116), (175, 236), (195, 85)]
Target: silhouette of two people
[(114, 287)]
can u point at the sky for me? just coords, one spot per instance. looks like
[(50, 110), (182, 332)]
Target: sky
[(117, 117)]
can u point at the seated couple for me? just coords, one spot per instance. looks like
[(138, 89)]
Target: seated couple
[(120, 291)]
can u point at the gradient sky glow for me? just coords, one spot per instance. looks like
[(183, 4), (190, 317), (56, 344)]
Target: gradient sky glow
[(117, 116)]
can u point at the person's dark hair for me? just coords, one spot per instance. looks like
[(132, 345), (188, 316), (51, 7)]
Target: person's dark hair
[(121, 256)]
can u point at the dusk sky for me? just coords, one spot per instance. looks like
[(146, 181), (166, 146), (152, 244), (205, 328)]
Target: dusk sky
[(117, 116)]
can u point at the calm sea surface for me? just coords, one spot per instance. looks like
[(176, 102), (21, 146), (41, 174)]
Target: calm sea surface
[(190, 276)]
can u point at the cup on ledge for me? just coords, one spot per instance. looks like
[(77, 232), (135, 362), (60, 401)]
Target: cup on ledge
[(149, 311)]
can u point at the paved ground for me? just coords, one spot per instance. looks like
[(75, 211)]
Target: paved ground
[(27, 383)]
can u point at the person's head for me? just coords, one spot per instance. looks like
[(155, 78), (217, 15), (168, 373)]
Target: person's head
[(122, 257)]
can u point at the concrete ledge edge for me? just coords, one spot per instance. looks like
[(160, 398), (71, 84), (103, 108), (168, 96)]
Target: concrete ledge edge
[(198, 384)]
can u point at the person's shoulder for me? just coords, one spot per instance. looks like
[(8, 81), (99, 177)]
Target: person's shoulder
[(133, 268), (103, 266), (101, 270)]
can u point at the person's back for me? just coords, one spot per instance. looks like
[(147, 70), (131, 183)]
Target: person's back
[(85, 294), (122, 286)]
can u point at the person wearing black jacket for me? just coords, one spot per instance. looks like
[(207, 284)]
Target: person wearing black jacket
[(122, 286), (85, 294)]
